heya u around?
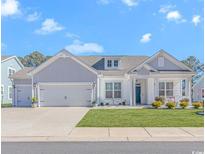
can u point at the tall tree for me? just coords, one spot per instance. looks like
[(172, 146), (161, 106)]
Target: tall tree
[(195, 65), (34, 59)]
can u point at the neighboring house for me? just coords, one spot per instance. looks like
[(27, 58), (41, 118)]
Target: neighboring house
[(9, 65), (198, 90), (68, 80)]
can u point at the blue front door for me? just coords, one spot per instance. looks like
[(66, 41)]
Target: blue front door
[(138, 94)]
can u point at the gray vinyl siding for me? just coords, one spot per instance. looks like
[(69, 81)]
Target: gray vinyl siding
[(22, 81), (168, 65), (5, 80), (65, 70)]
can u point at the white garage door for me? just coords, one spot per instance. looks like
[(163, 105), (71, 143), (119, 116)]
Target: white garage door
[(65, 95), (23, 95)]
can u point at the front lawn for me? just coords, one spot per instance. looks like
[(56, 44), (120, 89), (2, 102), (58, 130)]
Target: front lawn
[(6, 105), (142, 118)]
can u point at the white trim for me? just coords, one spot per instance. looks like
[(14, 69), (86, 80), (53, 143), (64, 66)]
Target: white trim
[(63, 53), (9, 91), (39, 98), (22, 66), (65, 83)]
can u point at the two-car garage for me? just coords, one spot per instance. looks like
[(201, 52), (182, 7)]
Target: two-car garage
[(62, 81), (66, 94)]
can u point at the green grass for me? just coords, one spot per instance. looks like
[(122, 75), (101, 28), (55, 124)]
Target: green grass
[(142, 118), (6, 105)]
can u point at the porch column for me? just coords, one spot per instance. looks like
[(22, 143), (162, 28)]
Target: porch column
[(150, 90), (98, 90), (134, 92), (131, 91), (190, 89)]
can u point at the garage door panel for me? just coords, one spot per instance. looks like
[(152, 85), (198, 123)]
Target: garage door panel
[(65, 95)]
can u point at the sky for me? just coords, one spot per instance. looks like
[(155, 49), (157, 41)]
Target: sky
[(103, 27)]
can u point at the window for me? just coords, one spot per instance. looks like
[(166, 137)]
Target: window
[(9, 92), (113, 90), (109, 63), (2, 90), (160, 61), (183, 85), (117, 90), (169, 88), (11, 71), (161, 89), (202, 93), (166, 89), (115, 63), (108, 90)]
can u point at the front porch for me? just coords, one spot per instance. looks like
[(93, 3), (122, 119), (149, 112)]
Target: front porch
[(144, 90)]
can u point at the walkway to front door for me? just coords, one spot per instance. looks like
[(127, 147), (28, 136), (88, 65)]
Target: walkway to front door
[(138, 94)]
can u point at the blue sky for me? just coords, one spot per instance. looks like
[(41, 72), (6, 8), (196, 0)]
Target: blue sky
[(103, 27)]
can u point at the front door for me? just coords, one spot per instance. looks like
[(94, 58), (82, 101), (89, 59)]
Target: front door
[(138, 94)]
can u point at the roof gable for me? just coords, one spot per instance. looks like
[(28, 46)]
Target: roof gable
[(62, 53), (6, 58), (172, 60)]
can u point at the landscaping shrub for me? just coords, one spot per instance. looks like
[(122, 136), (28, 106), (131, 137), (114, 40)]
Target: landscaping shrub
[(184, 104), (161, 99), (101, 104), (157, 104), (184, 100), (196, 105), (171, 105)]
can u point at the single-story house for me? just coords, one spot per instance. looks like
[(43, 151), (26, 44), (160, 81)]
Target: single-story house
[(69, 80), (198, 90), (9, 65)]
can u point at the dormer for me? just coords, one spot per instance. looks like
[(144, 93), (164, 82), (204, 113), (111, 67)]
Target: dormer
[(112, 63)]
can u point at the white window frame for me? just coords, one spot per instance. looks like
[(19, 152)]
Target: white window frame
[(11, 68), (109, 60), (108, 90), (9, 92), (113, 90), (112, 66), (160, 61), (165, 88), (114, 63)]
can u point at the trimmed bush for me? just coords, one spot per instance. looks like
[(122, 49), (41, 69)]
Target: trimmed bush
[(184, 104), (196, 105), (157, 104), (171, 105), (161, 99), (184, 100)]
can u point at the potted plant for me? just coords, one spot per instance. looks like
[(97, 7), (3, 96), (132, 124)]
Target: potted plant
[(34, 102)]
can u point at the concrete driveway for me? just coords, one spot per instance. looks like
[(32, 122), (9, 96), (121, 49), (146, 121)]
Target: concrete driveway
[(51, 121)]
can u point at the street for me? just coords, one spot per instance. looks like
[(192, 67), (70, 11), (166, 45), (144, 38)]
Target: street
[(102, 147)]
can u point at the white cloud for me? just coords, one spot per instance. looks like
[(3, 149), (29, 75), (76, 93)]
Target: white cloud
[(72, 36), (9, 7), (49, 26), (81, 47), (104, 2), (166, 8), (130, 3), (33, 17), (196, 19), (175, 16), (146, 38)]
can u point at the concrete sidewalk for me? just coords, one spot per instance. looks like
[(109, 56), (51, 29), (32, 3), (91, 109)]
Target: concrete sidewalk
[(119, 134)]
